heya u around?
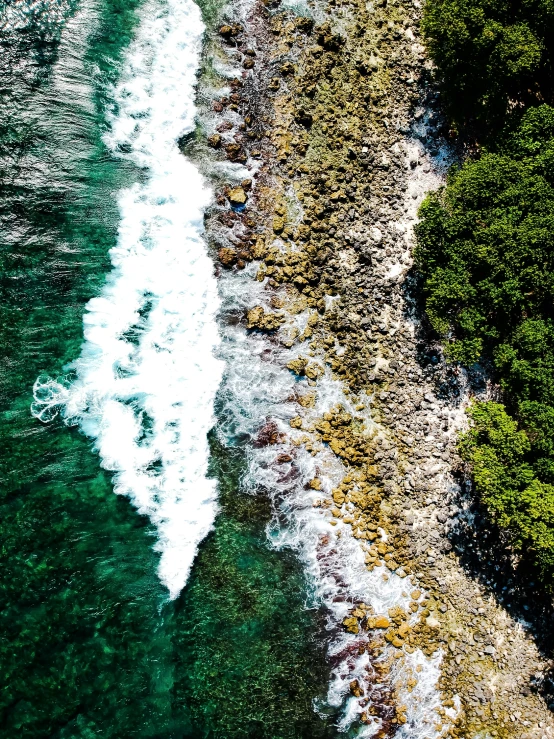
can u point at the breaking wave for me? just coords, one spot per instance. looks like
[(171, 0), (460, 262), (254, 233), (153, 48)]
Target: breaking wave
[(144, 385)]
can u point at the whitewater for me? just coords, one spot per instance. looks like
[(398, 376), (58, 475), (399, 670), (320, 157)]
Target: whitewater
[(259, 394), (143, 387)]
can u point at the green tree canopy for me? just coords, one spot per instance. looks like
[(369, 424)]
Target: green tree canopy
[(491, 55), (485, 252)]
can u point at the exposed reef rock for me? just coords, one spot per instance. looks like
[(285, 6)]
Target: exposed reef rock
[(338, 125), (237, 196)]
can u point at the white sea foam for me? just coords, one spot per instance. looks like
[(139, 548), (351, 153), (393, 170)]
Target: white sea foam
[(259, 391), (144, 385)]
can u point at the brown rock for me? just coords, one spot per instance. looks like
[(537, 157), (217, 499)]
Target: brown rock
[(338, 497), (254, 316), (313, 371), (284, 458), (329, 40), (403, 630), (259, 249), (227, 256), (258, 318), (351, 625), (235, 152), (308, 400), (381, 622), (304, 118), (237, 196), (298, 366), (228, 31), (304, 24), (278, 224)]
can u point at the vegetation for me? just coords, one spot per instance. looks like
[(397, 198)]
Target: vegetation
[(486, 255), (491, 55), (501, 457)]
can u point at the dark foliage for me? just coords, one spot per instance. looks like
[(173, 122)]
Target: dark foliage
[(486, 254), (492, 56)]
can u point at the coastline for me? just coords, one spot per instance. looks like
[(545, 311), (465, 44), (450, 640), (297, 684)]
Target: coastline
[(333, 135), (209, 227)]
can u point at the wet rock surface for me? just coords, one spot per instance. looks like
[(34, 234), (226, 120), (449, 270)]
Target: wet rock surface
[(336, 121)]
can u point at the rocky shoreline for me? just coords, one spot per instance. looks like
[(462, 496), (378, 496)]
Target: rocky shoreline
[(333, 131)]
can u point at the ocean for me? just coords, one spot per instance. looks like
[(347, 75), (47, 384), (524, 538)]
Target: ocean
[(141, 594)]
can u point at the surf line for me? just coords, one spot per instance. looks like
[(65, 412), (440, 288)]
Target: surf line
[(144, 384)]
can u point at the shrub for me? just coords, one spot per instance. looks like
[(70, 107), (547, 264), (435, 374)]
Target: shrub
[(491, 55), (499, 455), (485, 252)]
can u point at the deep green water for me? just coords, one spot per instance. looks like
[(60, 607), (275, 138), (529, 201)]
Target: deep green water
[(90, 646)]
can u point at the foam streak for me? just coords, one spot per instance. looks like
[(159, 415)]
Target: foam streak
[(258, 393), (144, 385)]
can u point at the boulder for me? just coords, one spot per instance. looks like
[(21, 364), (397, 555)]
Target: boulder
[(351, 624), (237, 196), (227, 256), (229, 31), (381, 622), (304, 24), (258, 318), (235, 152)]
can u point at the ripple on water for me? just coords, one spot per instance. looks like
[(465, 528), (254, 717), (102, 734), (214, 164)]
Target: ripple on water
[(144, 385)]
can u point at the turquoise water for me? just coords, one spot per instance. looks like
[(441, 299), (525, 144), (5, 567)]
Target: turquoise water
[(90, 645)]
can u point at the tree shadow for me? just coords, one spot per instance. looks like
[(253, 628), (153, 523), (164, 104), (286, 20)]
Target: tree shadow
[(483, 549)]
